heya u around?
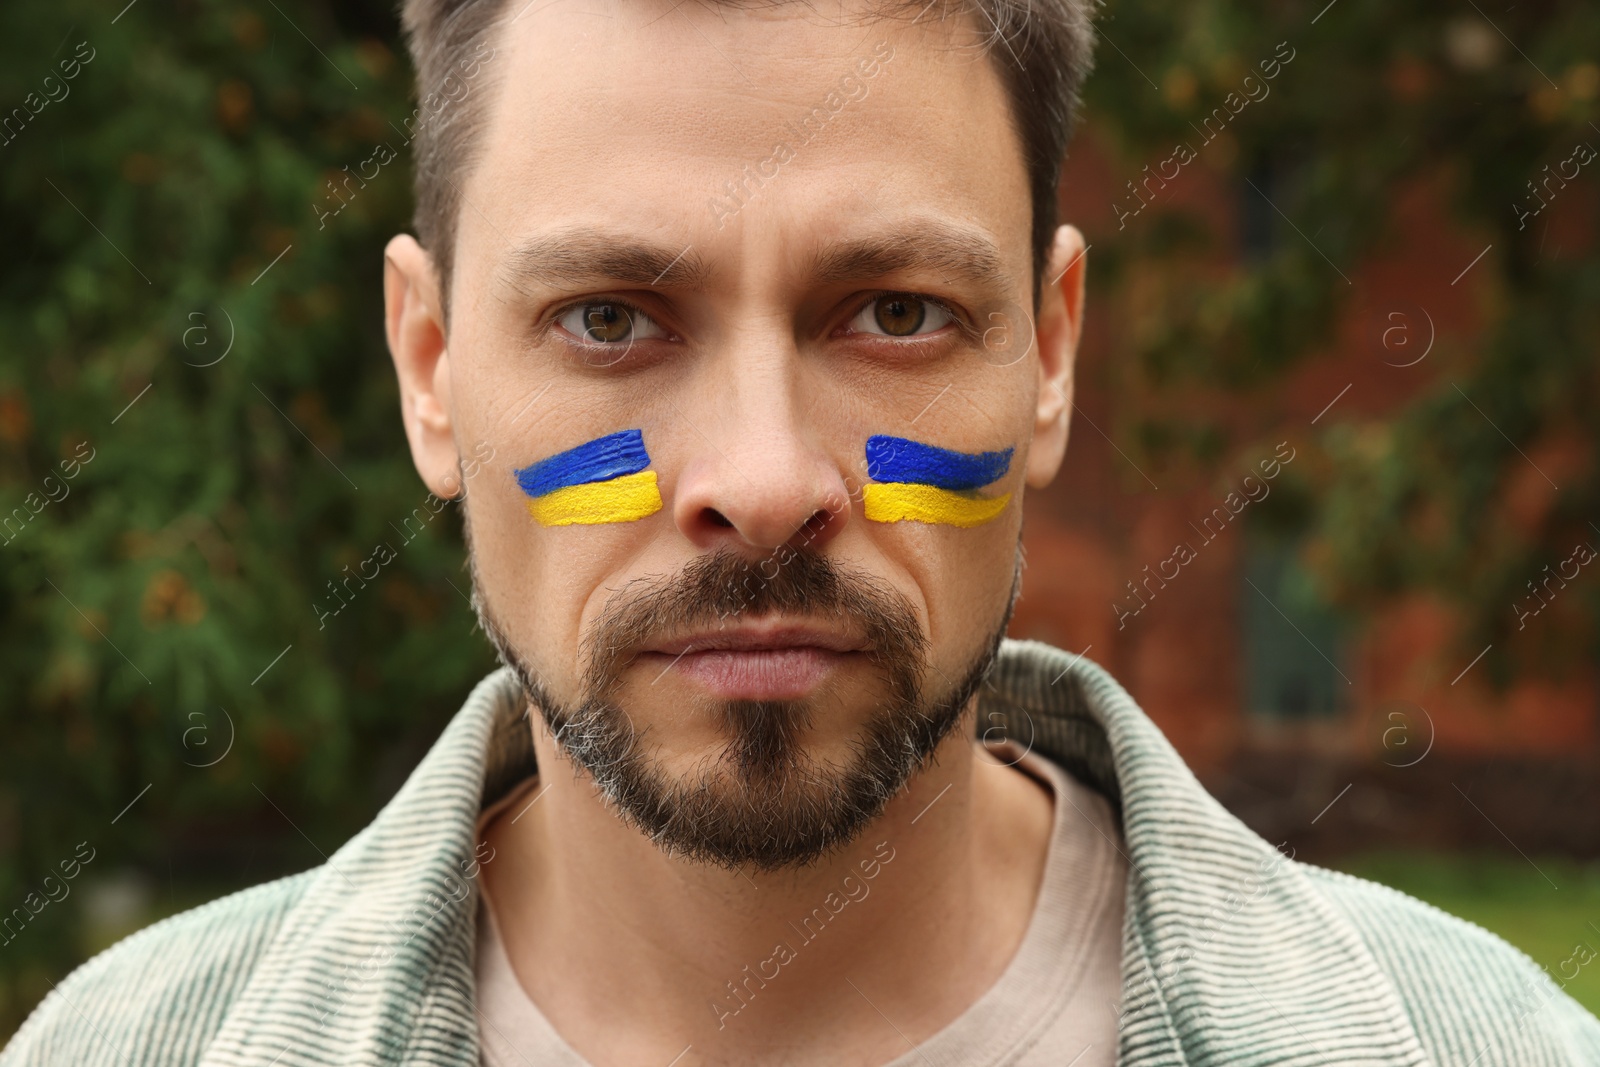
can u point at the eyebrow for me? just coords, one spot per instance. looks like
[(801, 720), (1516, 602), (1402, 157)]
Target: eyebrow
[(925, 247), (588, 256), (580, 257)]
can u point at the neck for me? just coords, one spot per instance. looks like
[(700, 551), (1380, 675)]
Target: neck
[(910, 922)]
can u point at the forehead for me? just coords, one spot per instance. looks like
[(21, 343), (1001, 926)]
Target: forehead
[(731, 127)]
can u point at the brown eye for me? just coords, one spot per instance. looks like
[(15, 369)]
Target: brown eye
[(901, 315), (608, 323)]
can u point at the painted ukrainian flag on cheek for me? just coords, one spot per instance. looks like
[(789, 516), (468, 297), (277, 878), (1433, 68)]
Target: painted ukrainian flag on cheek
[(603, 480), (922, 483)]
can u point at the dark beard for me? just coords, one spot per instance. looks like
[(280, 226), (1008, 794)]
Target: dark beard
[(763, 801)]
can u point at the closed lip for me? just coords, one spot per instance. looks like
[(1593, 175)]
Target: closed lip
[(760, 638)]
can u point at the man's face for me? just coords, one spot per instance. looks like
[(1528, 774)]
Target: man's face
[(741, 243)]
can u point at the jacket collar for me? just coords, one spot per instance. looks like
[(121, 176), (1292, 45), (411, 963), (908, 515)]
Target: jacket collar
[(1230, 953)]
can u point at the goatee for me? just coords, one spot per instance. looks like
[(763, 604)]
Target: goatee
[(763, 801)]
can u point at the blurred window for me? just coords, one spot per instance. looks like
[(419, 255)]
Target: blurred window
[(1294, 652)]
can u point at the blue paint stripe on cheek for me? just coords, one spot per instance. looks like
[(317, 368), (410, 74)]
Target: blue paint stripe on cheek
[(604, 458), (897, 459)]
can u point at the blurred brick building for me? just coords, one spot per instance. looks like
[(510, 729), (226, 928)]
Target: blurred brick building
[(1277, 704)]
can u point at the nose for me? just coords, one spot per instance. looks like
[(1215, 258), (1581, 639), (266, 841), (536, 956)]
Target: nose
[(761, 476)]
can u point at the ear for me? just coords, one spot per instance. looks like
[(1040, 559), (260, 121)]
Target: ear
[(1060, 326), (414, 323)]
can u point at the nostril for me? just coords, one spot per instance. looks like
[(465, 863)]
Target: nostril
[(816, 523), (717, 518)]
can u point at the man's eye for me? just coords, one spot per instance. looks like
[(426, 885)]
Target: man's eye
[(900, 315), (609, 323)]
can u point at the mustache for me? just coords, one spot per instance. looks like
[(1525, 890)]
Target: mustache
[(774, 806), (721, 586)]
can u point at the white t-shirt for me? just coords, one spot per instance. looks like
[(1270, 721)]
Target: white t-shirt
[(1053, 1006)]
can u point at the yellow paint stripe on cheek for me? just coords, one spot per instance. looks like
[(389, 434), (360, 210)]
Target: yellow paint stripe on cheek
[(910, 502), (625, 499)]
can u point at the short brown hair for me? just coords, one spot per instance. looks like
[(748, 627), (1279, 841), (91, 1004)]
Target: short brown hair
[(1044, 49)]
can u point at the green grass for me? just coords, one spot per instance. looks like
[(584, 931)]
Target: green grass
[(1511, 898)]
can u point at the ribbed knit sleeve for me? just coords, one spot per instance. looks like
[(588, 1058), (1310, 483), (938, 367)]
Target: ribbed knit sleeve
[(1472, 998), (159, 996)]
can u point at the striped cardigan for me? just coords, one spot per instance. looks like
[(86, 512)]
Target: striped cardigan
[(1232, 952)]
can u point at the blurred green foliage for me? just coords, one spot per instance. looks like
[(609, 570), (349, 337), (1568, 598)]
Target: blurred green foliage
[(137, 614), (165, 210)]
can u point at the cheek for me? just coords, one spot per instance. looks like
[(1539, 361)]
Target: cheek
[(602, 481), (918, 482), (978, 579), (558, 498), (958, 579), (533, 580), (950, 519)]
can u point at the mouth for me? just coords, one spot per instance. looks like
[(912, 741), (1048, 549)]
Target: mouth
[(756, 660)]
